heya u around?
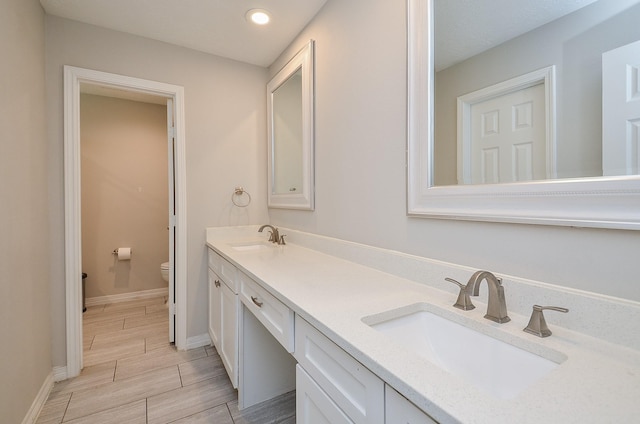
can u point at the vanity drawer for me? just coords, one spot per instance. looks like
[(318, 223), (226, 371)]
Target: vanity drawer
[(225, 269), (355, 389), (273, 314), (313, 406)]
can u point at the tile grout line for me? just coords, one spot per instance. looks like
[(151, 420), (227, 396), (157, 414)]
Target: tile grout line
[(115, 371), (229, 411), (180, 375), (66, 408)]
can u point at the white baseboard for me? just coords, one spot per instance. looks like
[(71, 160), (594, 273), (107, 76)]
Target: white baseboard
[(198, 341), (60, 373), (125, 297), (39, 401)]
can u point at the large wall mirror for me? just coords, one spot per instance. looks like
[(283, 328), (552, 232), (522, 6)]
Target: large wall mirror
[(525, 111), (290, 133)]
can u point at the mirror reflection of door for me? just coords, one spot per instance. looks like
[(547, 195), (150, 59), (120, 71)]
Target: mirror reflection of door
[(508, 138), (621, 110), (287, 135)]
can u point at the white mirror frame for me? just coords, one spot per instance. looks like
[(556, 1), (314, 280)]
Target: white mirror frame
[(303, 200), (602, 202)]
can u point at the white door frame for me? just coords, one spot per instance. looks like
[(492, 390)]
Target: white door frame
[(545, 76), (73, 76)]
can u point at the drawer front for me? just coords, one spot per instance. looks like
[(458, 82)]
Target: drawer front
[(225, 269), (400, 410), (273, 314), (355, 389), (313, 406)]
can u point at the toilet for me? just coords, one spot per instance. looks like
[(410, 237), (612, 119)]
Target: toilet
[(164, 270)]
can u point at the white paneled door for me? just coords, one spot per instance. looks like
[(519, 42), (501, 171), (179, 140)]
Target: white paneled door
[(508, 141), (621, 110)]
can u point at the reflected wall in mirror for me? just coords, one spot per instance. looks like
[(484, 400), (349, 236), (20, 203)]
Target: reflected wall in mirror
[(578, 195), (290, 133), (287, 135), (535, 132)]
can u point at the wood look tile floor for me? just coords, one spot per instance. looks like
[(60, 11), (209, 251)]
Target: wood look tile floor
[(132, 374)]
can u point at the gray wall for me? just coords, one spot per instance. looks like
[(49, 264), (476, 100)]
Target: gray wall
[(360, 168), (24, 239), (225, 107)]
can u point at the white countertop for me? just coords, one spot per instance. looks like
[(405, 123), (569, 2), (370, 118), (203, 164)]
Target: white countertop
[(598, 382)]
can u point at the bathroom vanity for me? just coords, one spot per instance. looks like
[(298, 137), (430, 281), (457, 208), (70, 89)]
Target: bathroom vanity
[(328, 318)]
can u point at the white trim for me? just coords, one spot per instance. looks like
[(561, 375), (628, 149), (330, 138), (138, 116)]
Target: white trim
[(545, 76), (601, 202), (39, 401), (72, 78), (305, 199), (60, 373), (198, 341), (125, 297)]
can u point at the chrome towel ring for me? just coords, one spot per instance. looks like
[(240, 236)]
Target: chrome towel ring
[(237, 196)]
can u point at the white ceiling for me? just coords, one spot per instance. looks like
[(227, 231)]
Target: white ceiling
[(465, 28), (212, 26)]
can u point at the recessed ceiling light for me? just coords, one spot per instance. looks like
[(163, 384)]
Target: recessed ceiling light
[(258, 16)]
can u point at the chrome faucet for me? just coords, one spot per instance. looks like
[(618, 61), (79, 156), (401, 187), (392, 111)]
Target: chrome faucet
[(497, 305), (274, 236)]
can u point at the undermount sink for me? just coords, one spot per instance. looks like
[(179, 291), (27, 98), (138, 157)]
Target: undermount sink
[(250, 246), (500, 368)]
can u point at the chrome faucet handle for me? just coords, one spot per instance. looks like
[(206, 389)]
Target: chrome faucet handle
[(464, 301), (537, 324), (271, 239), (281, 241)]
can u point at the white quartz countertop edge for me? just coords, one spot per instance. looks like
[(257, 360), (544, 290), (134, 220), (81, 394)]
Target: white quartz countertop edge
[(599, 381)]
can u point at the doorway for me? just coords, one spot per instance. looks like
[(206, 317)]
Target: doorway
[(174, 95), (506, 132)]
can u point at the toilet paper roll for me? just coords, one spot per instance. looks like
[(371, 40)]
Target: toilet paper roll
[(124, 253)]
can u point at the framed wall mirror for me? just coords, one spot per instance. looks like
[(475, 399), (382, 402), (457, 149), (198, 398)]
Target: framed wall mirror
[(575, 65), (290, 126)]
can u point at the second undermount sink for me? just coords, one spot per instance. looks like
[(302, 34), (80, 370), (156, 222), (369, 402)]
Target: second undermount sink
[(500, 368), (250, 246)]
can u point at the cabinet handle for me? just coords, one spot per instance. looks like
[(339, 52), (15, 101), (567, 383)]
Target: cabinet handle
[(255, 300), (217, 283)]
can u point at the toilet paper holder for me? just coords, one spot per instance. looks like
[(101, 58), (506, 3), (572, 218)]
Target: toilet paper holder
[(116, 252)]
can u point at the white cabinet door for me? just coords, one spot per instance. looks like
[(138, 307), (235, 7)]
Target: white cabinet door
[(215, 296), (399, 410), (313, 405), (229, 306), (356, 390)]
